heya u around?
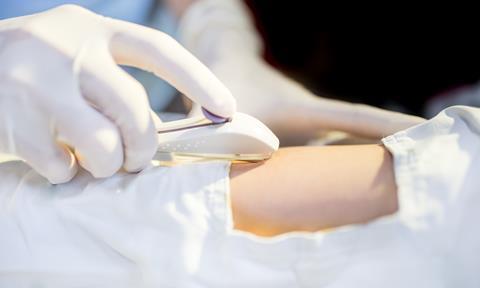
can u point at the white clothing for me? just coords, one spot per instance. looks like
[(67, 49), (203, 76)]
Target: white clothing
[(172, 227)]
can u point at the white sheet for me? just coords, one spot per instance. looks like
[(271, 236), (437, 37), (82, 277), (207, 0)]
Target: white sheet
[(171, 227)]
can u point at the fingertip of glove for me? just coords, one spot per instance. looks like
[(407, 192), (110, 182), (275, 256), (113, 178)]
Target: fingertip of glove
[(140, 161), (101, 170), (62, 178), (224, 106), (62, 170)]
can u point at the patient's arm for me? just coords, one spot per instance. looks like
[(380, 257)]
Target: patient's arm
[(313, 188)]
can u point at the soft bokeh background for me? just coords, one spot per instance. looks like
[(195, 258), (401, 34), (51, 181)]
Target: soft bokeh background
[(402, 59), (405, 59)]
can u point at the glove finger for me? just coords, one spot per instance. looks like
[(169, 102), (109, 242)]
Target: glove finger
[(50, 159), (122, 99), (27, 131), (154, 51), (95, 139)]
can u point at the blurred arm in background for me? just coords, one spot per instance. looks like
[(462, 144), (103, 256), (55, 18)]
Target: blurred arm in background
[(221, 34)]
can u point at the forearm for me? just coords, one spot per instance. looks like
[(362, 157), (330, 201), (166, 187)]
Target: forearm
[(313, 188)]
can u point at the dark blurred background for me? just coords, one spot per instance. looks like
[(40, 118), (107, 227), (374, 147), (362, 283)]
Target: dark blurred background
[(390, 63)]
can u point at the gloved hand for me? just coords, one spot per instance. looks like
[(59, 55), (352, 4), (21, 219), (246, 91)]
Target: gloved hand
[(63, 98), (221, 34)]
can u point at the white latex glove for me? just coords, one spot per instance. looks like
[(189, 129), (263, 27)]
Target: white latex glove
[(63, 98), (221, 34)]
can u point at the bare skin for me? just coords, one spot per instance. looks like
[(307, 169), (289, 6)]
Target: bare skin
[(313, 188)]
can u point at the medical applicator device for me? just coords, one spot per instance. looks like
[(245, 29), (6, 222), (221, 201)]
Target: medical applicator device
[(239, 138)]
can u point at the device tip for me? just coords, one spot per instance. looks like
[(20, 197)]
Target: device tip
[(214, 118)]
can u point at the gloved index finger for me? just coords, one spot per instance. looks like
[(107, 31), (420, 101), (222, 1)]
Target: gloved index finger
[(155, 51)]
